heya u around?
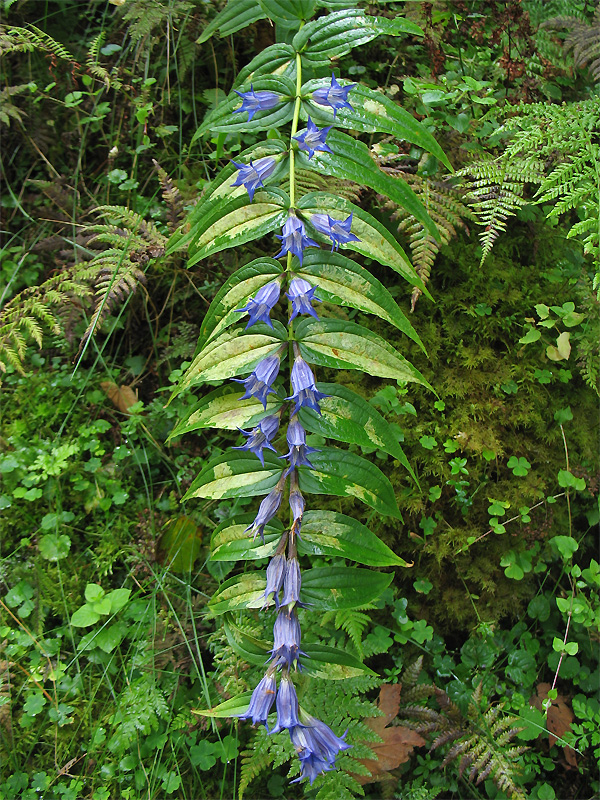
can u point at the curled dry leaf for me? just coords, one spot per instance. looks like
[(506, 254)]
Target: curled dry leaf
[(122, 397), (559, 719), (398, 742)]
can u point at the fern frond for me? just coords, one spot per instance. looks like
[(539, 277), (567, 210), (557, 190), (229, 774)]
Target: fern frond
[(172, 198), (14, 39), (254, 760), (582, 39), (9, 111), (444, 204)]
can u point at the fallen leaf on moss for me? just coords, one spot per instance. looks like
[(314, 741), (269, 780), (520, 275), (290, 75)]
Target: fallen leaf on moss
[(122, 397), (398, 742), (558, 719)]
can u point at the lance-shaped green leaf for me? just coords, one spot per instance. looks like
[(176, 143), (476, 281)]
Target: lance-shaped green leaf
[(288, 11), (348, 417), (240, 226), (224, 202), (327, 588), (226, 117), (231, 541), (344, 282), (332, 588), (345, 474), (352, 161), (229, 708), (336, 34), (238, 593), (250, 648), (319, 660), (375, 241), (222, 185), (230, 354), (236, 15), (235, 475), (328, 533), (331, 663), (371, 111), (345, 345), (223, 408), (234, 294), (273, 59)]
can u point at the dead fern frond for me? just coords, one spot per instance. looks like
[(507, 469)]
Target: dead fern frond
[(172, 198), (445, 205), (481, 739), (582, 39)]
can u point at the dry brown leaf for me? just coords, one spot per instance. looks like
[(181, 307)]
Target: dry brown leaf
[(558, 718), (397, 743), (122, 397)]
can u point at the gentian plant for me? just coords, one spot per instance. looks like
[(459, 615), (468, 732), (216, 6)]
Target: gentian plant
[(247, 331)]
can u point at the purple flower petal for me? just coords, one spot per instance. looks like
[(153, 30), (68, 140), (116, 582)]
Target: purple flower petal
[(305, 393), (294, 239), (260, 306), (334, 95), (313, 139), (301, 294), (256, 101), (252, 175)]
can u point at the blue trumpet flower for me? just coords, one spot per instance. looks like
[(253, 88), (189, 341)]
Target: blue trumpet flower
[(294, 239), (258, 383), (313, 138), (262, 699), (334, 95), (260, 306), (256, 101), (301, 294), (287, 705), (296, 439), (252, 175), (338, 230), (297, 504), (317, 746), (305, 393), (260, 437)]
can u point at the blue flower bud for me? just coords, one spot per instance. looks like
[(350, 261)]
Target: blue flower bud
[(334, 95), (256, 101), (275, 572), (297, 505), (338, 230), (305, 393), (291, 582), (286, 635), (260, 306), (287, 705), (313, 138), (294, 239), (252, 175), (301, 293), (258, 383), (266, 511), (261, 700), (260, 437)]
